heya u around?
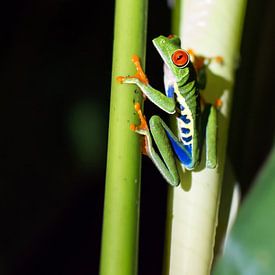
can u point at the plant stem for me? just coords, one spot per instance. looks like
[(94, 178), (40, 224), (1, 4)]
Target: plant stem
[(121, 207), (210, 28)]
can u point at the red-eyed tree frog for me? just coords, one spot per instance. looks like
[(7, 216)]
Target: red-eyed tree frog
[(182, 80)]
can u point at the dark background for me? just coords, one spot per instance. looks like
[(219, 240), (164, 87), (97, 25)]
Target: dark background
[(55, 89)]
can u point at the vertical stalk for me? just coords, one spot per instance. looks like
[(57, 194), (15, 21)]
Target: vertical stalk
[(210, 28), (121, 207)]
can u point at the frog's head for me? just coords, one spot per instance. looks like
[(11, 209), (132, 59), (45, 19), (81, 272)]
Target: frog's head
[(173, 56)]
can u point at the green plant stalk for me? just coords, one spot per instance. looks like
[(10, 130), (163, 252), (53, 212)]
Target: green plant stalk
[(176, 11), (119, 246), (210, 28)]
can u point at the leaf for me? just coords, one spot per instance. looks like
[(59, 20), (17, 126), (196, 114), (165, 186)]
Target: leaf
[(250, 249)]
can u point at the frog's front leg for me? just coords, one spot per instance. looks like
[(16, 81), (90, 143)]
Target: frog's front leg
[(167, 104)]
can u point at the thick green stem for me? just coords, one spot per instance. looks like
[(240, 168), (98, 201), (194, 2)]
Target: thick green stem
[(121, 208), (210, 28)]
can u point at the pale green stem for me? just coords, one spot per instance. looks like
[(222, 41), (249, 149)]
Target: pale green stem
[(121, 207), (210, 28)]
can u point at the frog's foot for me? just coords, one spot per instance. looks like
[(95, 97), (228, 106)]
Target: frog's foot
[(142, 129), (218, 103), (140, 73), (198, 60), (219, 59), (191, 52), (139, 76)]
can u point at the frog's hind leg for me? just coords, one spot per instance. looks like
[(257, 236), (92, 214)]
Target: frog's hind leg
[(169, 145), (209, 128), (167, 164)]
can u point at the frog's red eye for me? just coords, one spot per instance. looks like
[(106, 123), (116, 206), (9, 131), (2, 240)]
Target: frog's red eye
[(180, 58)]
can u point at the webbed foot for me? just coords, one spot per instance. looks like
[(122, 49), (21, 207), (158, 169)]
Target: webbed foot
[(218, 103), (139, 76), (142, 129), (200, 61)]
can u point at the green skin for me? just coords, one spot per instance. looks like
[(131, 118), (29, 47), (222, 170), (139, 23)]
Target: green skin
[(203, 123)]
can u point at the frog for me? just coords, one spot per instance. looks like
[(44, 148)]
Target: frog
[(196, 120)]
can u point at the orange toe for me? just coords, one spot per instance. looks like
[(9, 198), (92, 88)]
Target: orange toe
[(137, 106), (140, 73), (143, 124), (191, 52), (135, 59), (120, 79), (133, 127), (218, 103), (219, 59)]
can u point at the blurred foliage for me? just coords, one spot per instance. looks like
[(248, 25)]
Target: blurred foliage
[(250, 247)]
